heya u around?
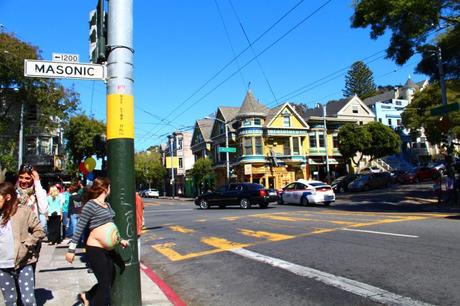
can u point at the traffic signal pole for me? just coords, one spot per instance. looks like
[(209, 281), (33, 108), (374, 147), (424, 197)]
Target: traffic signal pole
[(120, 148)]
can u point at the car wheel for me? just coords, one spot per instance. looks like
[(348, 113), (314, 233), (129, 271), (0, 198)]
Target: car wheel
[(341, 190), (280, 201), (244, 203), (366, 188), (263, 205), (204, 204), (221, 206), (327, 203), (304, 202)]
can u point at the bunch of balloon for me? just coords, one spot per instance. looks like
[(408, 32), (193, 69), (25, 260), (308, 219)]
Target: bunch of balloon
[(89, 165)]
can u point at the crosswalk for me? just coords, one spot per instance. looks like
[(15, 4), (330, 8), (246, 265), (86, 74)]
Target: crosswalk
[(236, 232)]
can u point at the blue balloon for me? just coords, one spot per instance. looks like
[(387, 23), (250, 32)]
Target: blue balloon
[(90, 176)]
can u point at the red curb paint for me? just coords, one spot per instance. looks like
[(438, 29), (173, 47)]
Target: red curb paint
[(168, 291)]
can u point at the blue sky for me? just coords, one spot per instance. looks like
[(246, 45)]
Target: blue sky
[(180, 45)]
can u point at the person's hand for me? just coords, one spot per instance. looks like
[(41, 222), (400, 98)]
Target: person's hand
[(124, 243), (35, 175), (69, 257)]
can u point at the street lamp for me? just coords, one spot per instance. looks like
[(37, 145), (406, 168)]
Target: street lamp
[(226, 145), (325, 141)]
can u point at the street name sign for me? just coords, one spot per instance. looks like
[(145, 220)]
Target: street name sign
[(57, 70), (225, 149), (66, 58), (444, 109)]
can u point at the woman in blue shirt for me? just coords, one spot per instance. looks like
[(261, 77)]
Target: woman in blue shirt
[(55, 203)]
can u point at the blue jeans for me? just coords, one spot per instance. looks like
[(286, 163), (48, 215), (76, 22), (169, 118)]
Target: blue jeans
[(65, 224), (72, 224), (43, 222)]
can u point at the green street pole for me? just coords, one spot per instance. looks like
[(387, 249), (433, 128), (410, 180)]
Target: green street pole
[(126, 290)]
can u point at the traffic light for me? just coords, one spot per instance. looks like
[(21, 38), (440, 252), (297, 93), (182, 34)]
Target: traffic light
[(97, 34)]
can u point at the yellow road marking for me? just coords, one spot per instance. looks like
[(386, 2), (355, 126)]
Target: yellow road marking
[(266, 235), (181, 229), (230, 218), (201, 220), (166, 249), (223, 244)]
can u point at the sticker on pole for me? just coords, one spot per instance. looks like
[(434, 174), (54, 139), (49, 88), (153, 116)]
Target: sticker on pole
[(120, 116)]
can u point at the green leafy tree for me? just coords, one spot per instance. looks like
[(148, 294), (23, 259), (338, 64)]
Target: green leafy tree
[(418, 114), (79, 134), (53, 102), (373, 139), (353, 140), (148, 169), (413, 23), (360, 81), (203, 173)]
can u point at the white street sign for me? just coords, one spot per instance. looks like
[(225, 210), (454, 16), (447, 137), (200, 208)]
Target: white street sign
[(65, 57), (47, 69)]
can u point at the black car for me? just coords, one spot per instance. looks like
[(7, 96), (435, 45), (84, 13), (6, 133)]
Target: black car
[(368, 181), (340, 184), (243, 194)]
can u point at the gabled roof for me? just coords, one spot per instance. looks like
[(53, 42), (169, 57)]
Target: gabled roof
[(275, 111), (387, 95), (228, 112), (332, 108), (251, 107), (205, 127)]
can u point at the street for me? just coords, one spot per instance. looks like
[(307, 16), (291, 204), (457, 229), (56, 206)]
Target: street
[(391, 246)]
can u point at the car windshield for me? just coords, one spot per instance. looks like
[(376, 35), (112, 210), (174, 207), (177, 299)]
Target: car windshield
[(317, 184)]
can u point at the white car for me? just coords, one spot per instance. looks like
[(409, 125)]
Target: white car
[(151, 193), (306, 193)]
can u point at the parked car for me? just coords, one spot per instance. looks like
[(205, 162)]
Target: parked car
[(243, 194), (440, 166), (307, 192), (418, 174), (340, 184), (368, 181), (370, 169), (396, 174), (150, 193)]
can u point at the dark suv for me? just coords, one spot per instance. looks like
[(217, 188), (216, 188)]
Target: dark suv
[(242, 194)]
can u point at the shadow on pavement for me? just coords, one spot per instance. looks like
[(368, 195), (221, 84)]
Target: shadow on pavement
[(42, 295)]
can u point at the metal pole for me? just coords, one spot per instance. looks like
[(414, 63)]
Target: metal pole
[(173, 183), (325, 144), (450, 171), (126, 289), (21, 136), (227, 154)]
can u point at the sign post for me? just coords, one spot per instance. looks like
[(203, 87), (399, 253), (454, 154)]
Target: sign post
[(120, 148)]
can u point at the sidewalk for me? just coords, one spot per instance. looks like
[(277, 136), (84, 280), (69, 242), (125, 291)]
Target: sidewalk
[(58, 282)]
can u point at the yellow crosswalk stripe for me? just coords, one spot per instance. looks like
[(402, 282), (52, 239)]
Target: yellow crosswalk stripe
[(265, 235), (223, 244), (181, 229), (167, 250)]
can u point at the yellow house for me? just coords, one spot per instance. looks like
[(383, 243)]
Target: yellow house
[(272, 144)]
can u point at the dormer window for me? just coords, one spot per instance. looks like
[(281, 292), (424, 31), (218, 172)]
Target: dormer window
[(257, 121), (286, 119)]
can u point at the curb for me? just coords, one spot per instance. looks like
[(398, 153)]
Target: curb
[(168, 291)]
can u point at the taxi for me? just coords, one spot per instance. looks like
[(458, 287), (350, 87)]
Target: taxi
[(306, 193)]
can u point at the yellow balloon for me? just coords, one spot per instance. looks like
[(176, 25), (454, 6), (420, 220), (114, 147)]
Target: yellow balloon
[(90, 164)]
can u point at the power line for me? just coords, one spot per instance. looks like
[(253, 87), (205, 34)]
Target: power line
[(252, 59), (239, 54)]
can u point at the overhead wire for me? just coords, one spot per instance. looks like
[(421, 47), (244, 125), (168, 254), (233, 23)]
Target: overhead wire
[(242, 52), (253, 58)]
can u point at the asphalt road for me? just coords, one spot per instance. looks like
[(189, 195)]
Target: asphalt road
[(386, 247)]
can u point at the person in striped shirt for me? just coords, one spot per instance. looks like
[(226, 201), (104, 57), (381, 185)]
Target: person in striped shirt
[(98, 215)]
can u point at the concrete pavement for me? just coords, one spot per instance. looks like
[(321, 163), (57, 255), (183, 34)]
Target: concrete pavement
[(58, 282)]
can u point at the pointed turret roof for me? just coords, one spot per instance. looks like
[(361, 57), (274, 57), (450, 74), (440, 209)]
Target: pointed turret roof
[(251, 107), (411, 84)]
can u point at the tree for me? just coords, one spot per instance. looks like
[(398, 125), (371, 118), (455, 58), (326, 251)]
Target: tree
[(53, 102), (80, 132), (360, 81), (373, 139), (202, 173), (413, 24), (149, 169), (417, 115)]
